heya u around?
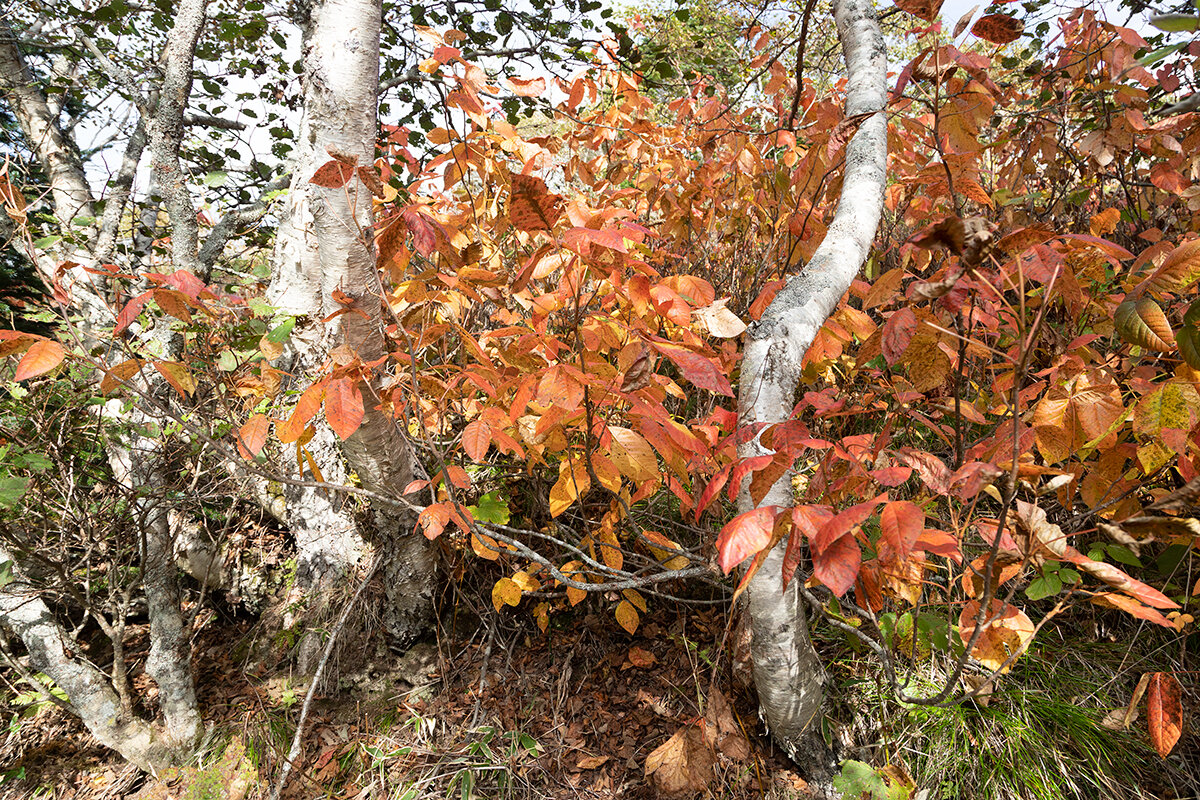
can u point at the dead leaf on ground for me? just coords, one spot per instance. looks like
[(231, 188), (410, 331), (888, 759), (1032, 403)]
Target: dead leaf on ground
[(681, 766), (722, 730), (592, 762), (642, 659)]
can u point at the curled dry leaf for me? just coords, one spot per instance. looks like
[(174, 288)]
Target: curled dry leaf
[(963, 22), (1180, 499), (640, 371)]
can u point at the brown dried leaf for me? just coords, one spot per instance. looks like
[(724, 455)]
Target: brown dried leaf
[(640, 371), (682, 765), (1180, 499), (723, 732)]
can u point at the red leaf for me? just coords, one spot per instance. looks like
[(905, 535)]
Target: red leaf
[(842, 523), (837, 565), (1118, 580), (998, 28), (901, 523), (333, 174), (476, 438), (253, 436), (432, 520), (932, 470), (743, 468), (189, 284), (806, 520), (745, 535), (424, 231), (131, 310), (1164, 712), (970, 478), (891, 476), (925, 9), (43, 356), (343, 407), (306, 408), (698, 369), (897, 333), (712, 490), (1131, 607), (939, 543)]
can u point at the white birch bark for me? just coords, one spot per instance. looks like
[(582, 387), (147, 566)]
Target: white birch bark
[(88, 690), (324, 243), (787, 670), (137, 462)]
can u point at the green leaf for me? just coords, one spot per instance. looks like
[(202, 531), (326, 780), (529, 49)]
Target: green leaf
[(1045, 586), (216, 178), (6, 573), (36, 462), (857, 779), (1123, 554), (280, 333), (1174, 23), (1143, 323), (12, 489), (1189, 345), (1155, 56), (46, 241), (260, 307), (491, 508)]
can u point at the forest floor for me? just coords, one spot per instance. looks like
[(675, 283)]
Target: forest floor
[(493, 708), (500, 711)]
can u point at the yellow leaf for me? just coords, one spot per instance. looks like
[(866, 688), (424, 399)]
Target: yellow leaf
[(485, 546), (505, 592), (635, 597), (633, 455), (573, 481), (606, 472), (610, 547), (527, 582), (627, 616), (669, 559)]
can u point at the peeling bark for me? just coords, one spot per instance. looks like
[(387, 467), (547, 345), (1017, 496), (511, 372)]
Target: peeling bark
[(787, 670), (324, 243)]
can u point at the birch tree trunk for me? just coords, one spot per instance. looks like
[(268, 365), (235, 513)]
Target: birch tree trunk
[(324, 243), (137, 458), (88, 690), (787, 670)]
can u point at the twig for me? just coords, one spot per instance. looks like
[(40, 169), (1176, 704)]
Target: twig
[(294, 750)]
